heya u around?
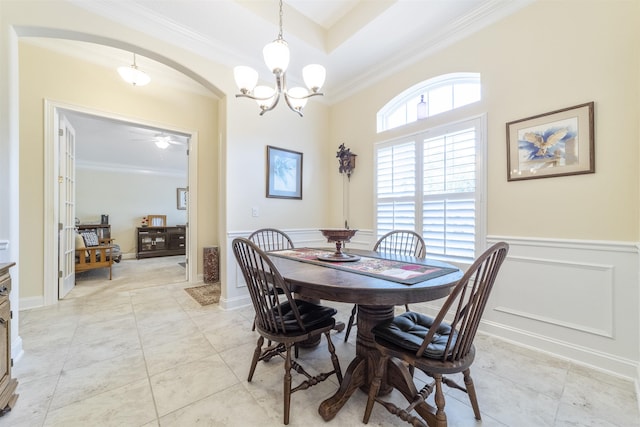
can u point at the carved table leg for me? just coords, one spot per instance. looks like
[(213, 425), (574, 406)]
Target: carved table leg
[(361, 370)]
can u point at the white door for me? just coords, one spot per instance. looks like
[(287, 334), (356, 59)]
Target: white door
[(66, 206)]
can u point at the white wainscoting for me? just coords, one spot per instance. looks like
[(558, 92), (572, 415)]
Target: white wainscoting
[(576, 299)]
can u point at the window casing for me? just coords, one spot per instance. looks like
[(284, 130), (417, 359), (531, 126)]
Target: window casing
[(440, 94), (433, 182)]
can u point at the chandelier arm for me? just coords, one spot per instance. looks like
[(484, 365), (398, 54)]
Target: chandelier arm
[(291, 107), (306, 96), (275, 102), (247, 95)]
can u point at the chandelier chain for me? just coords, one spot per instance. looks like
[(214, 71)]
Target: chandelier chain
[(280, 33)]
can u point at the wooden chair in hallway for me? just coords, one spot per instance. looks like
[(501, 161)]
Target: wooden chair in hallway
[(435, 346), (399, 242), (282, 319)]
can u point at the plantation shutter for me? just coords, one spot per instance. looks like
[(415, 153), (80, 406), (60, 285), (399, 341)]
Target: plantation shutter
[(430, 184), (448, 219), (396, 187)]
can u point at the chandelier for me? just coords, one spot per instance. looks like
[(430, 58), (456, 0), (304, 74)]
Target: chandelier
[(133, 75), (276, 56)]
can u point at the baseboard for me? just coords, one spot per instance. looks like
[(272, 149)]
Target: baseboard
[(603, 362), (31, 302), (16, 349)]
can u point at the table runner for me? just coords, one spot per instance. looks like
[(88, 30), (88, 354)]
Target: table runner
[(403, 272)]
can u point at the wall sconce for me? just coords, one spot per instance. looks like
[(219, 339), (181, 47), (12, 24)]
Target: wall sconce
[(346, 160)]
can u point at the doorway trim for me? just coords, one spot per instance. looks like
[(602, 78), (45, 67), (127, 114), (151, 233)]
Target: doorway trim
[(51, 218)]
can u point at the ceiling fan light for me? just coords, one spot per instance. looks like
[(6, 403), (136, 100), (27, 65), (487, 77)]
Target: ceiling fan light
[(276, 56), (246, 78), (297, 97), (314, 75), (162, 143)]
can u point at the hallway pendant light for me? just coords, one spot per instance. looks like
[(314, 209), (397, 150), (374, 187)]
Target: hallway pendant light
[(276, 56), (133, 75)]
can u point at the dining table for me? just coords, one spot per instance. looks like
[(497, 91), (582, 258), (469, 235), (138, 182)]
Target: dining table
[(376, 282)]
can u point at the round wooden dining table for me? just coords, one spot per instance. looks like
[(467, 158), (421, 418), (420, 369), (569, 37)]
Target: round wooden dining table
[(376, 298)]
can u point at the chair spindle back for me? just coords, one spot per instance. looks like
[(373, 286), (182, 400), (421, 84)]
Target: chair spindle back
[(468, 299), (402, 242), (263, 281)]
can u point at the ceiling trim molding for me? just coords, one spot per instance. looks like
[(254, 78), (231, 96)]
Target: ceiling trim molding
[(129, 169), (485, 15)]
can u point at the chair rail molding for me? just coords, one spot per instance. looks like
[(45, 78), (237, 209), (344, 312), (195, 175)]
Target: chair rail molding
[(576, 299)]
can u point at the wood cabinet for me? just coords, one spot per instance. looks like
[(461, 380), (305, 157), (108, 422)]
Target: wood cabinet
[(161, 241), (8, 385)]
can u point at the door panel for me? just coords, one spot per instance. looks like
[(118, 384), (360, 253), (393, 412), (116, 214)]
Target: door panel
[(66, 206)]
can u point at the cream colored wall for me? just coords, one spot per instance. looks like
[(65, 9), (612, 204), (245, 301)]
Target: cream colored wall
[(49, 75), (549, 56), (127, 196)]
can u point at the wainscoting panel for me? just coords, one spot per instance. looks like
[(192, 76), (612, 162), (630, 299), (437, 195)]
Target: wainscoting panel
[(575, 299), (582, 294)]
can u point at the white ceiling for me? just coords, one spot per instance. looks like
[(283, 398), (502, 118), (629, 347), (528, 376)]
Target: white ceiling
[(358, 41)]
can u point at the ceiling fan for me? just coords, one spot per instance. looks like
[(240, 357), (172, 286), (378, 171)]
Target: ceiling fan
[(162, 140)]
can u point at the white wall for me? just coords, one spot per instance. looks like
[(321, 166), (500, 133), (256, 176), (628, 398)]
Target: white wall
[(570, 283), (127, 197)]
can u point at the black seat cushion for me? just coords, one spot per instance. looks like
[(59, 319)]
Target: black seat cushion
[(408, 331), (312, 315)]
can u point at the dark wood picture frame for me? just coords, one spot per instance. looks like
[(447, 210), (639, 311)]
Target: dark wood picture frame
[(558, 143), (284, 173)]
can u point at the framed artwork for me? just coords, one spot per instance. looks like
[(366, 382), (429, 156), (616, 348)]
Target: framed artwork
[(182, 198), (558, 143), (284, 173)]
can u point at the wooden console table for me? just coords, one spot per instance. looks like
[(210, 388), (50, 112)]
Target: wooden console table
[(161, 241)]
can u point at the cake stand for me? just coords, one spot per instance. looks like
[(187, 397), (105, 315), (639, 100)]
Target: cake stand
[(339, 236)]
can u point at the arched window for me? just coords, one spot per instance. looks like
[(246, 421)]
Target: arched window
[(433, 180), (430, 97)]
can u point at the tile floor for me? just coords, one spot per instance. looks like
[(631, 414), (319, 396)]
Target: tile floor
[(138, 351)]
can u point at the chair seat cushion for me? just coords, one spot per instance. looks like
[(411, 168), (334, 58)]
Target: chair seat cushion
[(409, 329), (312, 315)]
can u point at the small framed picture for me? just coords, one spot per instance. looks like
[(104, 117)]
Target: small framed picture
[(558, 143), (182, 198), (284, 173)]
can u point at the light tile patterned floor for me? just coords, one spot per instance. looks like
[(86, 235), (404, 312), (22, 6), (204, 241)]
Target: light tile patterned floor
[(138, 351)]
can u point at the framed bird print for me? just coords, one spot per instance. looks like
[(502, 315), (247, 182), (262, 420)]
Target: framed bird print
[(558, 143)]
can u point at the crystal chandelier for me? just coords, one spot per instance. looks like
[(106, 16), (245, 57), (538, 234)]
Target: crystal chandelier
[(276, 56)]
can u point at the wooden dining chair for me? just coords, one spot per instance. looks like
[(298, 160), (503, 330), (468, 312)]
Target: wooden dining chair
[(435, 346), (271, 239), (398, 242), (282, 320)]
